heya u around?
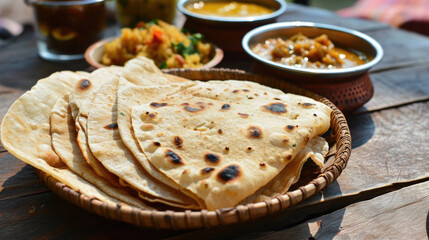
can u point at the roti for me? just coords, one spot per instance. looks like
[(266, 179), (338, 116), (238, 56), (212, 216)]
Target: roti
[(80, 100), (316, 150), (137, 136), (65, 145), (223, 140), (107, 146), (83, 91), (25, 132), (140, 82)]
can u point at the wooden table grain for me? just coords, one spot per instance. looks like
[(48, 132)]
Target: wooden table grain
[(382, 194)]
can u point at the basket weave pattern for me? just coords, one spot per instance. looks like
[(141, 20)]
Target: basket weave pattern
[(188, 219)]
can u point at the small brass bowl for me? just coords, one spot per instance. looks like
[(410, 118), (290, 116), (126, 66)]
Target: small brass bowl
[(348, 88), (227, 32)]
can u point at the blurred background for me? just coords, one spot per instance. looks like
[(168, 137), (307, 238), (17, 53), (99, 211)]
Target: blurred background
[(331, 4), (17, 9), (409, 15)]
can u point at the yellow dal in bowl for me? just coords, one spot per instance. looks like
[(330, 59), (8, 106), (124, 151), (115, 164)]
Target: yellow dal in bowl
[(228, 9)]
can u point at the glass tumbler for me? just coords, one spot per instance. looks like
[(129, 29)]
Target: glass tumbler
[(66, 28)]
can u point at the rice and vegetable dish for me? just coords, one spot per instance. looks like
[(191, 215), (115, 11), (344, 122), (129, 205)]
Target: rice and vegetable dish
[(165, 44)]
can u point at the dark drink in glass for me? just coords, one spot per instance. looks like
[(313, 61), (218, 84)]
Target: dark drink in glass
[(65, 28)]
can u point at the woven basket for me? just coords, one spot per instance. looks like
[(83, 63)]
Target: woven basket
[(187, 219)]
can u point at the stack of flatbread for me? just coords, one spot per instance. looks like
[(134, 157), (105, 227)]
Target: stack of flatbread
[(136, 136)]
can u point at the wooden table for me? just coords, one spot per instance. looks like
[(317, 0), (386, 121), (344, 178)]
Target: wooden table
[(382, 194)]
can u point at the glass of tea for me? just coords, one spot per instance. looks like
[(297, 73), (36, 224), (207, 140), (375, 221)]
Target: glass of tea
[(65, 28)]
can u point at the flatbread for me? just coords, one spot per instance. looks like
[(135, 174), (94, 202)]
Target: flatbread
[(107, 146), (223, 140), (82, 96), (316, 150), (141, 81), (80, 100), (64, 143), (25, 132), (86, 87), (187, 144)]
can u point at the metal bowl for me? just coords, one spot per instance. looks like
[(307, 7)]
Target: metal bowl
[(278, 5), (217, 29), (343, 37), (349, 88)]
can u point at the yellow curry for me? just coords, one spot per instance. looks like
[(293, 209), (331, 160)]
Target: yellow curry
[(303, 52), (228, 9)]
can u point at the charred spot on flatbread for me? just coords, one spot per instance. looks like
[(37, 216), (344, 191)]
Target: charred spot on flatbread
[(206, 185), (178, 141), (158, 105), (254, 132), (111, 126), (197, 107), (239, 90), (285, 140), (276, 107), (207, 170), (174, 157), (229, 173), (148, 114), (212, 158), (306, 104), (290, 127), (84, 84), (226, 106), (243, 115)]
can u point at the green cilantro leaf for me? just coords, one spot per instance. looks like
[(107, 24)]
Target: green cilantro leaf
[(163, 65), (153, 22)]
